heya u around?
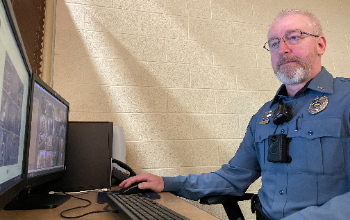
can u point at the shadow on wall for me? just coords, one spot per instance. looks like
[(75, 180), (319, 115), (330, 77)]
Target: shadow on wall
[(140, 108)]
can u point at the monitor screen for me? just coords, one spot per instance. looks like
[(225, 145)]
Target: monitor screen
[(14, 89), (11, 125), (48, 132)]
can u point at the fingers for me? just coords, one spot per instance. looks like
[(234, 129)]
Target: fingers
[(131, 180), (147, 181), (155, 183)]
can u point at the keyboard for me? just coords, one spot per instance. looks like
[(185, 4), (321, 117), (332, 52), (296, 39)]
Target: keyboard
[(134, 207)]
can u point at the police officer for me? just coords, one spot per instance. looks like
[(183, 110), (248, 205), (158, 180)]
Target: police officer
[(298, 142)]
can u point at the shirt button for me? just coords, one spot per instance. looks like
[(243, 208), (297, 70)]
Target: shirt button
[(282, 131), (310, 132), (281, 192)]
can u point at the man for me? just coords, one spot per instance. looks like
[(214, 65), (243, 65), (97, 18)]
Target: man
[(298, 142)]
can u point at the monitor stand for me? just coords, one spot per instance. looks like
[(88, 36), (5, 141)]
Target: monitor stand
[(29, 201)]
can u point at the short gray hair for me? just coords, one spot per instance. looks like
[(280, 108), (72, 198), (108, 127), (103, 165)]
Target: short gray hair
[(314, 22)]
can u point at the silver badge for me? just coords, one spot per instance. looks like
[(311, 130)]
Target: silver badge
[(318, 104)]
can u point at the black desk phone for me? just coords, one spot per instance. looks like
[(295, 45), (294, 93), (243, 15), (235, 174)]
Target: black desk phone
[(117, 175)]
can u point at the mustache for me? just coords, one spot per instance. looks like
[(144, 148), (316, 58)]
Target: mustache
[(288, 59)]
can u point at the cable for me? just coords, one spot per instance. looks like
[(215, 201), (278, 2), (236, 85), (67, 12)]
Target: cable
[(79, 207)]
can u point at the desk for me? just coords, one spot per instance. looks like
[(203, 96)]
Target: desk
[(167, 199)]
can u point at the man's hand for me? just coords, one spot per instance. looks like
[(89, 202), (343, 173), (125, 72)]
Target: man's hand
[(147, 181)]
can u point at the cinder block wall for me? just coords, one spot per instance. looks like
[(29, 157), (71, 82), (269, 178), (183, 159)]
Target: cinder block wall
[(182, 77)]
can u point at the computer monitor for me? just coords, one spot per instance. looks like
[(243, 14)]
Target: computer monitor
[(46, 147), (48, 134), (14, 90)]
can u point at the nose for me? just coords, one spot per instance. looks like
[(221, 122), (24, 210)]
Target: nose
[(283, 47)]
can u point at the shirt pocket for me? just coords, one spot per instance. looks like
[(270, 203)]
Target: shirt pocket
[(261, 145), (316, 147)]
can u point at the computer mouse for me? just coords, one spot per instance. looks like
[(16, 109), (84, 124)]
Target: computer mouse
[(133, 189)]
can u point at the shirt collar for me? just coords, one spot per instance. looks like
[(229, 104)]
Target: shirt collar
[(323, 82)]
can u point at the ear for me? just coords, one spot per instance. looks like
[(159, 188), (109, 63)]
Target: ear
[(321, 45)]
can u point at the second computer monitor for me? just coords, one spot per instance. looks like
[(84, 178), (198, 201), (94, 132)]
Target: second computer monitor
[(45, 152), (48, 133)]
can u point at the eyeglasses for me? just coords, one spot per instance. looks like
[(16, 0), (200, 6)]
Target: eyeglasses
[(291, 37)]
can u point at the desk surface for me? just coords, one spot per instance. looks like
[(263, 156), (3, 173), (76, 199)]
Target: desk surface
[(167, 199)]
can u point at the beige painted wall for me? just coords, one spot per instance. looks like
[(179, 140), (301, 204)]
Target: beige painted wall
[(182, 77)]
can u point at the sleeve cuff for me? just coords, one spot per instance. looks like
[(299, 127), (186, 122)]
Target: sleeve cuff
[(171, 184)]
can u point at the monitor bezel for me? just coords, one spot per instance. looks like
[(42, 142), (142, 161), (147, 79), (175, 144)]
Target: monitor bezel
[(14, 189), (35, 181)]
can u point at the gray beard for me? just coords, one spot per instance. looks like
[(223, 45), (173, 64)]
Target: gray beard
[(293, 76)]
